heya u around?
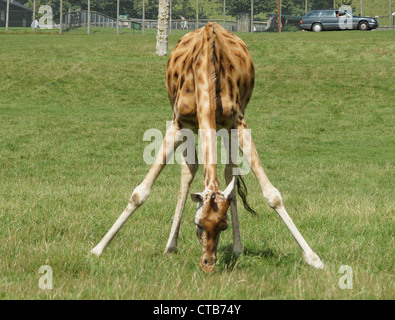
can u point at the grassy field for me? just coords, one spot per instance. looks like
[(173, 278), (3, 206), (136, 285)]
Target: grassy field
[(73, 111)]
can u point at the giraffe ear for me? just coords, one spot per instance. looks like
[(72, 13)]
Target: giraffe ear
[(228, 191), (197, 197)]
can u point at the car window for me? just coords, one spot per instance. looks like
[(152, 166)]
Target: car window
[(344, 13), (313, 14), (328, 14)]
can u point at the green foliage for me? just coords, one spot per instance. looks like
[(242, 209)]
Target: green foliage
[(289, 29), (211, 9), (293, 7), (236, 7), (350, 3), (183, 8)]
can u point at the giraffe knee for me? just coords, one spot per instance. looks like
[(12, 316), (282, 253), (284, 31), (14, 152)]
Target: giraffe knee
[(273, 197), (188, 171), (139, 195)]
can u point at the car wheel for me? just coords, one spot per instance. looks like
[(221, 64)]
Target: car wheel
[(317, 27), (363, 26)]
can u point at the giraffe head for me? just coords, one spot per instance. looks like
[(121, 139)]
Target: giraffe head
[(211, 218)]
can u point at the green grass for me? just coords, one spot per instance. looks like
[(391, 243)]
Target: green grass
[(73, 110)]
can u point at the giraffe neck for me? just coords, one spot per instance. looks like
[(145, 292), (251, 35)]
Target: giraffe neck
[(206, 106), (209, 80), (208, 140)]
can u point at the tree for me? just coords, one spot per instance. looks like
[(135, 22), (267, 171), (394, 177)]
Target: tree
[(320, 4), (236, 7), (293, 7), (183, 8), (340, 3), (163, 20)]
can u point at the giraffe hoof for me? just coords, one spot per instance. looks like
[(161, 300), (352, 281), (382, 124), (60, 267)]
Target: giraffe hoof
[(237, 250), (170, 250), (313, 260), (96, 252)]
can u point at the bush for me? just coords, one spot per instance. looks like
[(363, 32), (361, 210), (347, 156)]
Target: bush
[(290, 29)]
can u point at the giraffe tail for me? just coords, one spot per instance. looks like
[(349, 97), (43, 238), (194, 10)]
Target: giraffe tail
[(243, 192)]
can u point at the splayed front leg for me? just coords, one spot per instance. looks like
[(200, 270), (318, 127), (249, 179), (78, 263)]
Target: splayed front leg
[(272, 195), (141, 193), (188, 171), (237, 246)]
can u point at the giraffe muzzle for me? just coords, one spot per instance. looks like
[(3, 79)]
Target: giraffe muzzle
[(208, 262)]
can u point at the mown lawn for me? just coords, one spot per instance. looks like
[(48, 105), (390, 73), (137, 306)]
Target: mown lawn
[(73, 111)]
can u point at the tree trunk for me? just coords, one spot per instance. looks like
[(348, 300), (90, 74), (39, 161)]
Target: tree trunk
[(161, 37)]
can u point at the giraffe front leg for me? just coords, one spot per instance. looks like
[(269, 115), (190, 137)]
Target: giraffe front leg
[(188, 171), (237, 246), (141, 193), (272, 195)]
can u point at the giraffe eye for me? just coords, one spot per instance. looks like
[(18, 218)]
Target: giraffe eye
[(197, 224), (213, 196)]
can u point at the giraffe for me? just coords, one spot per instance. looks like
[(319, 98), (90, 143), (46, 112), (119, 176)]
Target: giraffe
[(209, 79)]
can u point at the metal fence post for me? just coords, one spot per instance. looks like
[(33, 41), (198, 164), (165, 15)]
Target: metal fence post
[(89, 17), (118, 17), (224, 13), (61, 17), (197, 15), (279, 16), (34, 15), (7, 16), (361, 9), (143, 26), (252, 16), (170, 13)]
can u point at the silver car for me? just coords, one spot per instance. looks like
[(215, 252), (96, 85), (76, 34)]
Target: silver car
[(318, 20)]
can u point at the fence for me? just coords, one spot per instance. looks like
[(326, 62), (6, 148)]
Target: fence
[(77, 19), (178, 24), (234, 15)]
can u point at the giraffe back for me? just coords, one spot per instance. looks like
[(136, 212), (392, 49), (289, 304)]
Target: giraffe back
[(216, 62)]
